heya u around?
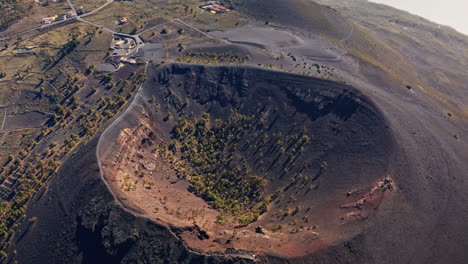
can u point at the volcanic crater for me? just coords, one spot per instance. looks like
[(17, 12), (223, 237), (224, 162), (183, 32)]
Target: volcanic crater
[(241, 159)]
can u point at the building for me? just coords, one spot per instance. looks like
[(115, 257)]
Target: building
[(41, 2), (123, 43), (122, 46), (81, 10), (129, 61), (215, 7), (45, 2), (49, 20), (70, 14), (122, 20)]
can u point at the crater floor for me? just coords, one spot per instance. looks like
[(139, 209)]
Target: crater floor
[(309, 158)]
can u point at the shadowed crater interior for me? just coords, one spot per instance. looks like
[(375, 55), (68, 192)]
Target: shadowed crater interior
[(253, 159)]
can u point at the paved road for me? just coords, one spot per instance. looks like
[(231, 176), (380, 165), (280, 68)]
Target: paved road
[(72, 7), (4, 118), (36, 28), (21, 33), (60, 22), (97, 9)]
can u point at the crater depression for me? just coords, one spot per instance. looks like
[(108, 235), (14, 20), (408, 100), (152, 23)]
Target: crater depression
[(237, 159)]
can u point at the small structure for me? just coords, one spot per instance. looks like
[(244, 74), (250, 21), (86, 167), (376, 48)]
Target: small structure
[(27, 50), (81, 10), (122, 20), (129, 61), (123, 43), (122, 46), (215, 7), (70, 14), (49, 20), (45, 2)]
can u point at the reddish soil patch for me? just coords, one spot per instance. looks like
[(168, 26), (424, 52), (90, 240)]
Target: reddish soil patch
[(144, 179)]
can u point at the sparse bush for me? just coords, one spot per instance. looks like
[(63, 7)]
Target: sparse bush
[(277, 228)]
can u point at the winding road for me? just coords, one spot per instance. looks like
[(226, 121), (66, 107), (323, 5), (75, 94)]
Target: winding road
[(62, 21), (72, 7)]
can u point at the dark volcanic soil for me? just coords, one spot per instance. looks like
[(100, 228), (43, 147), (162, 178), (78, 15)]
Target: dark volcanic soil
[(384, 190), (353, 218), (382, 180), (79, 222), (314, 203)]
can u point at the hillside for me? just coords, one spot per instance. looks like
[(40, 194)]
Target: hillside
[(11, 11), (269, 132)]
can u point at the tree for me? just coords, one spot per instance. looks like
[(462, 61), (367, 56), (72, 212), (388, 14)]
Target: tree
[(324, 165), (90, 70), (10, 159)]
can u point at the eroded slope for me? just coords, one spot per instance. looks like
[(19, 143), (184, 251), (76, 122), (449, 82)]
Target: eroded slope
[(250, 159)]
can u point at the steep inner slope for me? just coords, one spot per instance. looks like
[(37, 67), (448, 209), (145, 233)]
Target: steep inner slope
[(255, 160)]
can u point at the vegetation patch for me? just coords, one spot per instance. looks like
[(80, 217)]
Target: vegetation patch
[(220, 175), (11, 11), (200, 57), (77, 105)]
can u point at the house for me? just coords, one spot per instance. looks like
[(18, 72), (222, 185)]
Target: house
[(41, 2), (81, 10), (70, 14), (215, 7), (49, 20), (122, 20)]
